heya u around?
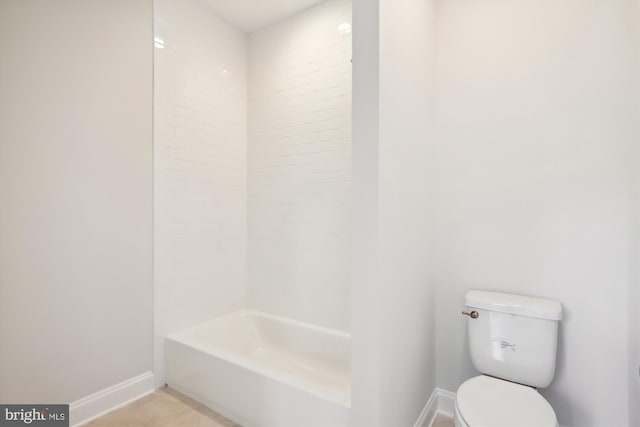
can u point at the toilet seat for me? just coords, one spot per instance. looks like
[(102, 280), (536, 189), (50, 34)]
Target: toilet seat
[(485, 401)]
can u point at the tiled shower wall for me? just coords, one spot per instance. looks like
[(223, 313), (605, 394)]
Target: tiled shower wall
[(299, 170), (200, 168), (284, 193)]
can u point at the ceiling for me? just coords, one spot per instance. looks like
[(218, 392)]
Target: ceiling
[(251, 15)]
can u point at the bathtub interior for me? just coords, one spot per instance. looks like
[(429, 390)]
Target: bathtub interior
[(307, 357)]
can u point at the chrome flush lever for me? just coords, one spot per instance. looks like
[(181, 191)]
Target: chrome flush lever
[(474, 314)]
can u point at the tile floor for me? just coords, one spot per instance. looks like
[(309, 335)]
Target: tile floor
[(442, 421), (168, 408), (163, 408)]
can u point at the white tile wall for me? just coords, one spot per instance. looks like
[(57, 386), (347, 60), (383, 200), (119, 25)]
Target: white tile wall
[(200, 168), (299, 169)]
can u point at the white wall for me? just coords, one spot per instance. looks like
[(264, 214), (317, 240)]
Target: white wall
[(300, 167), (393, 354), (365, 354), (199, 170), (405, 203), (634, 286), (75, 197), (537, 122)]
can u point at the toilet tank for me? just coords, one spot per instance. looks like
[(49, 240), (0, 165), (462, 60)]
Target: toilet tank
[(514, 337)]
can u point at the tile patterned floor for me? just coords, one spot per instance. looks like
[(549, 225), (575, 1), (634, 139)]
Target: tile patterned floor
[(442, 421), (168, 408), (163, 408)]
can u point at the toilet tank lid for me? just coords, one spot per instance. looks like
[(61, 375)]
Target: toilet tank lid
[(515, 304)]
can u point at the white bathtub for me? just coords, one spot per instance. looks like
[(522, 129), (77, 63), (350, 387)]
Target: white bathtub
[(264, 370)]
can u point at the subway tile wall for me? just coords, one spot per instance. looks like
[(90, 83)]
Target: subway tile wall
[(299, 166), (199, 168)]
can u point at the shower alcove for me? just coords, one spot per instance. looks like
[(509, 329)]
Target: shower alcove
[(252, 188)]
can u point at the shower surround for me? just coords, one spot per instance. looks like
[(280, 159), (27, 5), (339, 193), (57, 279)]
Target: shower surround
[(252, 192), (299, 170)]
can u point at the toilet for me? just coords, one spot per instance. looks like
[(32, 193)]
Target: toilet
[(512, 341)]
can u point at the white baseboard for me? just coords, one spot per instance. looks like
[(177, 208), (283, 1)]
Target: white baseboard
[(91, 407), (440, 402), (428, 414), (446, 402)]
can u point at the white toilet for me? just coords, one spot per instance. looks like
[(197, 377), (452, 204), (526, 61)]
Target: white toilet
[(513, 341)]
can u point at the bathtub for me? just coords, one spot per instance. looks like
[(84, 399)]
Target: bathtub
[(263, 370)]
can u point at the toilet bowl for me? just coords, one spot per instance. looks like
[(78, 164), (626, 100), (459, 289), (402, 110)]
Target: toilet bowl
[(513, 342), (485, 401)]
